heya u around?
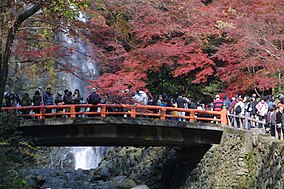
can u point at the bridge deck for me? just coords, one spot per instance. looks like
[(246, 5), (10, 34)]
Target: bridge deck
[(119, 124), (110, 131)]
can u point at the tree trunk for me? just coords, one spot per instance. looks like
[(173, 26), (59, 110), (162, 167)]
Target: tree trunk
[(7, 43)]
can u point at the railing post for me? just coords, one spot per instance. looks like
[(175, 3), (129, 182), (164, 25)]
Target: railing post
[(41, 112), (103, 111), (246, 121), (72, 111), (133, 111), (192, 116), (224, 120), (163, 113)]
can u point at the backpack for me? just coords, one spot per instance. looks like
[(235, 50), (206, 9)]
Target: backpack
[(94, 99), (238, 109), (26, 102)]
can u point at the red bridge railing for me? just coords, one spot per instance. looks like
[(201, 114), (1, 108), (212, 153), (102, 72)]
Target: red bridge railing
[(123, 110)]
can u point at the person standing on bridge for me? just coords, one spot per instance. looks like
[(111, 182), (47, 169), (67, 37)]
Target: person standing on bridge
[(262, 110), (48, 99), (26, 101), (279, 126), (141, 97), (217, 104), (37, 100), (77, 99), (181, 101), (94, 98)]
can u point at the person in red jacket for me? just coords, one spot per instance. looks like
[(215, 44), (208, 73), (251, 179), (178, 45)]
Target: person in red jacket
[(218, 103)]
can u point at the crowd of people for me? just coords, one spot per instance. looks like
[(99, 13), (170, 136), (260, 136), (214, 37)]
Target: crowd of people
[(264, 108), (47, 98), (267, 110)]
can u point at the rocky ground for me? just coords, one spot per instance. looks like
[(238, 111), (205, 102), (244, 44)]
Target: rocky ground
[(83, 179), (242, 160)]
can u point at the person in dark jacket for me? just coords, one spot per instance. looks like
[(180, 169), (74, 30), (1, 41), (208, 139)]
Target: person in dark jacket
[(279, 126), (59, 101), (48, 99), (181, 101), (77, 98), (271, 121), (65, 95), (59, 98), (37, 99), (94, 98), (26, 101), (68, 98)]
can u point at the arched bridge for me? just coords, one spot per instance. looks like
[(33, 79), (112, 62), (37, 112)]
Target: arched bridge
[(119, 125)]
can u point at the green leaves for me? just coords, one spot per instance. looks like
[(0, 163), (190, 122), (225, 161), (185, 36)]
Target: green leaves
[(69, 10), (15, 152)]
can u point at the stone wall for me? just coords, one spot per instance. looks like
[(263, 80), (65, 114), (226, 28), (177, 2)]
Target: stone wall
[(244, 159), (271, 170), (156, 167)]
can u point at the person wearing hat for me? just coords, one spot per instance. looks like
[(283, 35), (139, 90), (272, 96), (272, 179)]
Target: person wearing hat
[(218, 103)]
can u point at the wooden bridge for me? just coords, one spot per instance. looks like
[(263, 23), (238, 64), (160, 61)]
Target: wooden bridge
[(119, 124)]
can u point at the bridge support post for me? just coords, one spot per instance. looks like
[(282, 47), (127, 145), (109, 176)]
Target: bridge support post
[(133, 112), (41, 112), (192, 116), (224, 119), (103, 113), (72, 111), (163, 114)]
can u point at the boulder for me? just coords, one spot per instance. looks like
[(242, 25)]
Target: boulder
[(140, 187), (126, 184)]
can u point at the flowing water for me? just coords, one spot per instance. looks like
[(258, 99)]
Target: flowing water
[(80, 69), (87, 157)]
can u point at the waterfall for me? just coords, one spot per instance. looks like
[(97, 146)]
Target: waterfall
[(83, 70), (87, 157)]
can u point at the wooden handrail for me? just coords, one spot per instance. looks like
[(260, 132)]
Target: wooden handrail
[(137, 110)]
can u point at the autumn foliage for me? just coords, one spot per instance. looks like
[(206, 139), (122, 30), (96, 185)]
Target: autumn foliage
[(142, 36), (181, 46), (239, 43)]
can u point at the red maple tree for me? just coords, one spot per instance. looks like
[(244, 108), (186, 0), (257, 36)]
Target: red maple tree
[(252, 52), (139, 36)]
